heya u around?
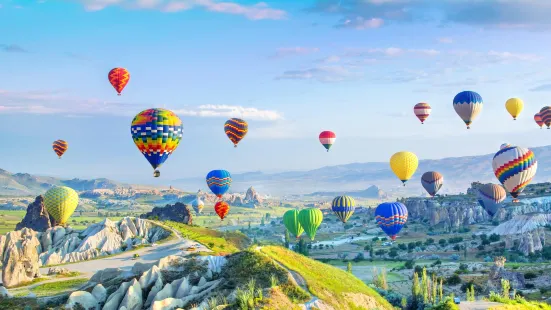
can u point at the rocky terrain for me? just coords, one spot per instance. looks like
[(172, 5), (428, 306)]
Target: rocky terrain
[(37, 218), (177, 212), (22, 252), (251, 198)]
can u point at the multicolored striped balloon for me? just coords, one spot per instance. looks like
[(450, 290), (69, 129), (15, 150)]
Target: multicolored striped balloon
[(422, 111), (545, 114), (60, 146), (222, 208), (467, 105), (119, 77), (391, 217), (327, 138), (156, 133), (432, 181), (514, 167), (538, 120), (504, 146), (236, 129), (343, 207), (490, 197), (219, 182)]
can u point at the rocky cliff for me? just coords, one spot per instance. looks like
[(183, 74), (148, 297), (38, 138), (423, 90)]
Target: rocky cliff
[(177, 212), (251, 199), (36, 218)]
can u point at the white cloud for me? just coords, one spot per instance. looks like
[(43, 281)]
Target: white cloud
[(294, 51), (328, 74), (359, 23), (445, 40), (53, 102), (257, 11)]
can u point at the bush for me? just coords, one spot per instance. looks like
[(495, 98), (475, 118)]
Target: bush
[(453, 280), (530, 275), (409, 264)]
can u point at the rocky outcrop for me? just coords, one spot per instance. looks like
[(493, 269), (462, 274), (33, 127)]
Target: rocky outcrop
[(150, 290), (450, 214), (36, 218), (177, 212), (498, 272), (525, 230), (20, 257), (252, 197), (84, 299)]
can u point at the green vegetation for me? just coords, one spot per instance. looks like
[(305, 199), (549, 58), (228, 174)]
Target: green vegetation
[(326, 282), (221, 243), (54, 288)]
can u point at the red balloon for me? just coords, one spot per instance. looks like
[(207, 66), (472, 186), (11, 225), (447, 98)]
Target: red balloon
[(119, 77), (222, 208)]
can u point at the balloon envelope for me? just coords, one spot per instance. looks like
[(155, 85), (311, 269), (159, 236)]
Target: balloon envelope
[(221, 208), (157, 133), (236, 129), (514, 106), (538, 120), (404, 165), (504, 145), (310, 219), (219, 182), (343, 207), (467, 105), (60, 147), (291, 222), (545, 114), (432, 181), (490, 197), (61, 202), (391, 217), (422, 111), (514, 167), (327, 138), (198, 205), (118, 77)]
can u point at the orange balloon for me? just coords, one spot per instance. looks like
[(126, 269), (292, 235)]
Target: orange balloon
[(222, 208), (119, 77)]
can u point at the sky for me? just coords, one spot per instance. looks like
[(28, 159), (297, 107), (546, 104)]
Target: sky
[(290, 68)]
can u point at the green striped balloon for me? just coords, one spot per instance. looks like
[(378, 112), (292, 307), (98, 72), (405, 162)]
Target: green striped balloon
[(290, 220), (310, 219)]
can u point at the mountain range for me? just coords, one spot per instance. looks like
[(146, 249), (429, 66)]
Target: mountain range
[(459, 173)]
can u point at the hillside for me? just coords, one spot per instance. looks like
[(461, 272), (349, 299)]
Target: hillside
[(458, 173), (24, 184)]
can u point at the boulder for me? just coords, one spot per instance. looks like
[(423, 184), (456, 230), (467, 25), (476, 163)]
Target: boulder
[(167, 304), (85, 299), (4, 292), (36, 218), (100, 293), (57, 270), (20, 259), (178, 212)]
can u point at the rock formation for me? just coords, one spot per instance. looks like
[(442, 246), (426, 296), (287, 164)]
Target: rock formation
[(177, 212), (527, 229), (26, 250), (450, 214), (498, 272), (36, 218), (20, 257)]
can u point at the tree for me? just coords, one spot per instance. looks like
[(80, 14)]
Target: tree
[(379, 278), (415, 290), (465, 250), (287, 237), (409, 264), (262, 222), (349, 267), (268, 216), (505, 288)]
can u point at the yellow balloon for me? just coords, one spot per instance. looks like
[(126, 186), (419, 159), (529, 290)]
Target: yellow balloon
[(404, 164), (514, 106), (61, 202)]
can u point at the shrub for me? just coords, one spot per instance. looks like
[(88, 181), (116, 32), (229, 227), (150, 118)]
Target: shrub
[(409, 264), (530, 275), (453, 280)]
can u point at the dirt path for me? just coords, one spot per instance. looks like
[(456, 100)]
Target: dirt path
[(300, 281), (477, 305)]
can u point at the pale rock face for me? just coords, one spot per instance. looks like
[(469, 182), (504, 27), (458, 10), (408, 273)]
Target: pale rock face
[(167, 304), (114, 300), (158, 286), (528, 229), (85, 299), (133, 299), (150, 277), (4, 293), (20, 258), (100, 293)]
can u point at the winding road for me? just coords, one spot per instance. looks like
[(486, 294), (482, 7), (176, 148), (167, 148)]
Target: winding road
[(477, 305)]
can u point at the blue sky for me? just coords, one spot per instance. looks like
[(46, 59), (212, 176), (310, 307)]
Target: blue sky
[(290, 68)]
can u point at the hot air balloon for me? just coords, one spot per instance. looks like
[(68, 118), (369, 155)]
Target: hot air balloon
[(219, 182), (422, 111), (156, 133), (221, 208), (236, 129), (504, 146), (490, 196), (290, 220), (198, 205), (514, 167), (119, 77), (391, 217), (61, 202), (467, 105), (404, 164), (60, 147), (310, 219), (343, 207), (545, 114), (514, 106), (327, 138), (538, 120), (432, 181)]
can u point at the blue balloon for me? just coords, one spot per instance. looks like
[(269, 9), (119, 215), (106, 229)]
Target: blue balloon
[(391, 217), (219, 182), (469, 97)]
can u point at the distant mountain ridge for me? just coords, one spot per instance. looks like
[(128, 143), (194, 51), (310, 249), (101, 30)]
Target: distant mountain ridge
[(372, 192), (458, 174), (23, 184)]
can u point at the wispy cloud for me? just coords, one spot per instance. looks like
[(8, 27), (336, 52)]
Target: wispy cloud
[(390, 52), (257, 11), (360, 23), (12, 48), (543, 87), (326, 74), (56, 102), (294, 51), (445, 40)]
